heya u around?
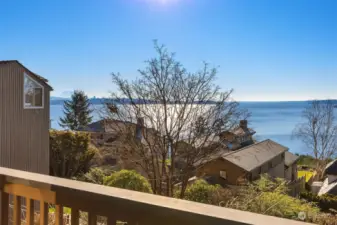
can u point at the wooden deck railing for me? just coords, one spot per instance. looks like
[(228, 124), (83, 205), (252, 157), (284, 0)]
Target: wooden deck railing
[(112, 203)]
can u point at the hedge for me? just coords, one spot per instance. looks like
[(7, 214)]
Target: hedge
[(70, 153), (128, 179), (324, 202)]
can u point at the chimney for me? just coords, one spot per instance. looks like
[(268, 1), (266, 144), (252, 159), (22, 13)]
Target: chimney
[(244, 124), (139, 128)]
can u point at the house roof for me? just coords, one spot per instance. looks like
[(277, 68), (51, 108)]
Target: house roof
[(107, 126), (331, 168), (239, 131), (290, 158), (255, 155), (207, 140), (34, 75), (222, 151), (118, 127), (328, 188)]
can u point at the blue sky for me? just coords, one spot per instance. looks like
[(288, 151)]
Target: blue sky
[(265, 49)]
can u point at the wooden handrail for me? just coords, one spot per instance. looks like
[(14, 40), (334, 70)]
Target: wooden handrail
[(119, 204)]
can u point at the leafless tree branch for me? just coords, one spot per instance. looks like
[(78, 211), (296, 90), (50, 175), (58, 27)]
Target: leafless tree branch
[(177, 107), (319, 131)]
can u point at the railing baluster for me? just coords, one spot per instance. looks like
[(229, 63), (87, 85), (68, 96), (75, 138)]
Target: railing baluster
[(111, 220), (58, 215), (43, 213), (17, 210), (29, 211), (75, 215), (4, 207), (92, 219)]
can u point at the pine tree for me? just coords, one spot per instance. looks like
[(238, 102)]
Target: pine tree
[(77, 111)]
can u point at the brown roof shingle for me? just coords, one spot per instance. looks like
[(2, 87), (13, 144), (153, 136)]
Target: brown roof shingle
[(239, 131), (216, 155), (253, 156), (290, 158), (108, 126)]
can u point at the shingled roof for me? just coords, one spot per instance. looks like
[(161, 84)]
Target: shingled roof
[(253, 156), (239, 131), (290, 158), (34, 75), (107, 126), (242, 129)]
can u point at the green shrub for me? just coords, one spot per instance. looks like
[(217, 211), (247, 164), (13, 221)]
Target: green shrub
[(324, 202), (307, 160), (265, 196), (201, 191), (281, 205), (128, 179), (266, 184), (269, 197), (95, 175), (70, 153)]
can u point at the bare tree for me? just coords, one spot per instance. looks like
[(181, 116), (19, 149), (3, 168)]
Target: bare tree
[(180, 115), (319, 131)]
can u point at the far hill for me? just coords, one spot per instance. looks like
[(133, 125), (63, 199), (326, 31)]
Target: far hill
[(98, 101)]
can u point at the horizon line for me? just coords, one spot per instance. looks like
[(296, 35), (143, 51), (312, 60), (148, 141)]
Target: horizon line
[(297, 100)]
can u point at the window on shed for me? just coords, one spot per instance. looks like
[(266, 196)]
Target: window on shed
[(223, 174), (33, 93)]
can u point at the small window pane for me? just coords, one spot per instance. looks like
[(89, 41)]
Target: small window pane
[(28, 99), (38, 97), (223, 174), (33, 93)]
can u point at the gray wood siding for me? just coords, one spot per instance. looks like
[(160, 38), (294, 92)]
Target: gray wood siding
[(24, 133)]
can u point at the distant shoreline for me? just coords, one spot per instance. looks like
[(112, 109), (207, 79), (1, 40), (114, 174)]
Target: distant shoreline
[(99, 101)]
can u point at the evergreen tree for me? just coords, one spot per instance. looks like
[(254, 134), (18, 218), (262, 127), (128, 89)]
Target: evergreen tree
[(77, 111)]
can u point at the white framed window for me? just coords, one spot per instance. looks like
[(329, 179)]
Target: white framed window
[(223, 174), (33, 94)]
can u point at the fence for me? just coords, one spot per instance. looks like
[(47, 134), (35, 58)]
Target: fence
[(296, 187), (108, 205)]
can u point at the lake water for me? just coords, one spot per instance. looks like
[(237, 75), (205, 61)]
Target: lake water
[(273, 120)]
